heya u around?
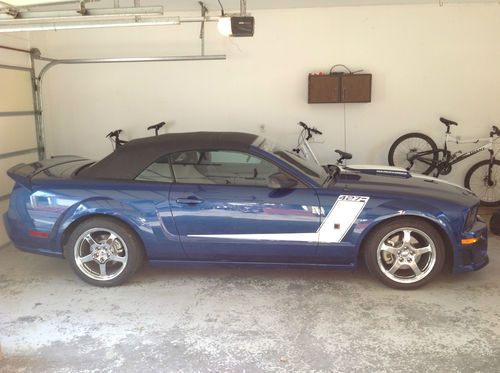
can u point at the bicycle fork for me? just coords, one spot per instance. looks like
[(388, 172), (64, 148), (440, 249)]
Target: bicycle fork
[(490, 167)]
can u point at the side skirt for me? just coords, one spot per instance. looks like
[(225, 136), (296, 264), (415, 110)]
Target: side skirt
[(40, 251), (200, 263)]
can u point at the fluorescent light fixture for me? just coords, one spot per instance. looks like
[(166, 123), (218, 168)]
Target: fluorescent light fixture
[(54, 25), (35, 3), (111, 12)]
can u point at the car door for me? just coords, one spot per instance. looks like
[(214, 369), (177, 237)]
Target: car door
[(224, 210)]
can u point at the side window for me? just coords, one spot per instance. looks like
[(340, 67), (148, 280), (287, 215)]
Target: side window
[(221, 167), (158, 171)]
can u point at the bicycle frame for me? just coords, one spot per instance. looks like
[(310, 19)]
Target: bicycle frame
[(449, 159), (456, 140), (304, 147)]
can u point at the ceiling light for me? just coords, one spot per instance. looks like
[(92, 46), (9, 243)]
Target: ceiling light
[(224, 26)]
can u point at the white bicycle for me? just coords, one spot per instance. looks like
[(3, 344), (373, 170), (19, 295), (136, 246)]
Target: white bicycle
[(304, 150)]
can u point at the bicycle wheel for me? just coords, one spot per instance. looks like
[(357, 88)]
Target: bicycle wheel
[(410, 144), (476, 180)]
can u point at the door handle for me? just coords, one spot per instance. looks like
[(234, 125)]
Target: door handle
[(189, 200)]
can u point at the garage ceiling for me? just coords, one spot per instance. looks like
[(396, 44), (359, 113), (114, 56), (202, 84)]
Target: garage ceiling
[(186, 5), (277, 4)]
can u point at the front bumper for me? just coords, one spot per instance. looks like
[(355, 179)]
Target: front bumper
[(472, 257)]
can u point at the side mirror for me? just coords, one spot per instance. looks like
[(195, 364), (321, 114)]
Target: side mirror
[(281, 181)]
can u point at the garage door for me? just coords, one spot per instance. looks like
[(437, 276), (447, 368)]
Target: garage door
[(17, 129)]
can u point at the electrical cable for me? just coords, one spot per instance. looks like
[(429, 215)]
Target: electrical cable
[(345, 67), (345, 129), (341, 65), (221, 8)]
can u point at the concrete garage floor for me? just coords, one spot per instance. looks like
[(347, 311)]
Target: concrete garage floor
[(245, 320)]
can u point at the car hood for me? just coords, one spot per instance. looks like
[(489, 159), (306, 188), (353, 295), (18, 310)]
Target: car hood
[(400, 182)]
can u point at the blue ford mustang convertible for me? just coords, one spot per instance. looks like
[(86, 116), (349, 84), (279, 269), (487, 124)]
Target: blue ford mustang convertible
[(239, 199)]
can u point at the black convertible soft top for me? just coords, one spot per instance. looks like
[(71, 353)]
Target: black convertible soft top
[(131, 159)]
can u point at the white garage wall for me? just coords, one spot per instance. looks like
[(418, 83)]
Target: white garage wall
[(16, 133), (426, 61), (17, 40)]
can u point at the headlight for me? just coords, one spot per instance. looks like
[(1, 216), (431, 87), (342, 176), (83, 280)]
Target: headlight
[(471, 217)]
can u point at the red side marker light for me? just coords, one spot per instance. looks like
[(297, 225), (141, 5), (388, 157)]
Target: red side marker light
[(38, 234)]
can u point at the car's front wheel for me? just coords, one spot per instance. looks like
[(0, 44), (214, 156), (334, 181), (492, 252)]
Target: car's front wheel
[(404, 253), (103, 251)]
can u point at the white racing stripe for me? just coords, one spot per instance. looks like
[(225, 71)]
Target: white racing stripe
[(439, 181), (337, 223)]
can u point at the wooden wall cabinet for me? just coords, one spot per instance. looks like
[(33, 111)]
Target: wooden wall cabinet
[(339, 88)]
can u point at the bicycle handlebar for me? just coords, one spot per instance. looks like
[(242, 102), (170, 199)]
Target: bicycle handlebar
[(494, 131), (115, 133), (114, 136), (310, 130)]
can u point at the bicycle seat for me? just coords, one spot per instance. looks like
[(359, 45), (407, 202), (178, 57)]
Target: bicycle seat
[(156, 127), (448, 122), (343, 155)]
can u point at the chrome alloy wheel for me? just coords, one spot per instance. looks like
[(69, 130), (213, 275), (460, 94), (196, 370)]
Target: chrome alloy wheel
[(406, 255), (100, 254)]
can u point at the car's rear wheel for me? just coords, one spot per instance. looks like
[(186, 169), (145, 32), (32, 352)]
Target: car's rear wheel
[(404, 253), (104, 252)]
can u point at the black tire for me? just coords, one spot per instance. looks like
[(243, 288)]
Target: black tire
[(123, 256), (422, 235), (412, 142), (476, 180)]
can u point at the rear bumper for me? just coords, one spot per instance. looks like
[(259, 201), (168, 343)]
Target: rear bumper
[(18, 234), (7, 226), (472, 257)]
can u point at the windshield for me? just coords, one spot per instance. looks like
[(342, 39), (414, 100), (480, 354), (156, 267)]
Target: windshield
[(308, 167)]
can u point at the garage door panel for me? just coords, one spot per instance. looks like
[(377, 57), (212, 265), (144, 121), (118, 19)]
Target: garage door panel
[(4, 205), (21, 133), (6, 183), (18, 95)]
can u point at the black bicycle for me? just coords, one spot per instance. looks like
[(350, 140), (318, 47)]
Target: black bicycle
[(114, 136), (418, 152)]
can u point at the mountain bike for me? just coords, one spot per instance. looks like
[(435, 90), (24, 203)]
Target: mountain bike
[(419, 153), (304, 150), (114, 136)]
